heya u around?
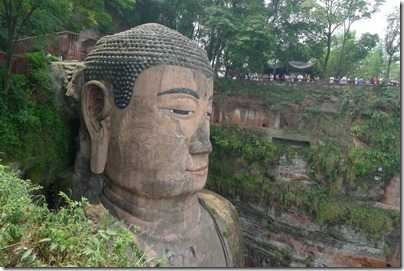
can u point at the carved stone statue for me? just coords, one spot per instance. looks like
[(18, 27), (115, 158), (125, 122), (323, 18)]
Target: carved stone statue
[(146, 101)]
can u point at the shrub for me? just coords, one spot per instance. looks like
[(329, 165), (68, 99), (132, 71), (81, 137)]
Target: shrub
[(40, 78), (37, 60), (33, 236), (38, 139), (360, 216), (232, 174), (32, 131)]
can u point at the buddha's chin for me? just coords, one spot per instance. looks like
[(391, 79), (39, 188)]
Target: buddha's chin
[(191, 183)]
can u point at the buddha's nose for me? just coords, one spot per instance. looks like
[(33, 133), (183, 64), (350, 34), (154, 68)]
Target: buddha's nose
[(200, 142)]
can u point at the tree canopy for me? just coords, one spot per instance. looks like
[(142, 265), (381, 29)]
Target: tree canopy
[(239, 36), (392, 39), (28, 17)]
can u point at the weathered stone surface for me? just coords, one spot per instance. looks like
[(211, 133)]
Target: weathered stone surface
[(257, 114), (276, 239), (190, 250), (228, 221), (58, 75), (235, 111), (292, 169), (292, 240), (392, 195), (330, 107)]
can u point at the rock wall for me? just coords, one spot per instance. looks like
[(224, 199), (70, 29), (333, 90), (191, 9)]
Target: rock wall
[(242, 111), (292, 169), (274, 238), (291, 240), (392, 195), (67, 76), (279, 239), (229, 110)]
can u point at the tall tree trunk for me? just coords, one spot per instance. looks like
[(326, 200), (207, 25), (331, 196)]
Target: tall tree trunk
[(11, 9), (342, 53), (217, 59), (9, 59), (327, 55), (389, 66), (7, 75)]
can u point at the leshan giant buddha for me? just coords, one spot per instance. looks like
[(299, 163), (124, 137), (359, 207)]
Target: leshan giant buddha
[(146, 103)]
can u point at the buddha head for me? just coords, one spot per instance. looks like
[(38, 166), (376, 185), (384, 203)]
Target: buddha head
[(146, 103)]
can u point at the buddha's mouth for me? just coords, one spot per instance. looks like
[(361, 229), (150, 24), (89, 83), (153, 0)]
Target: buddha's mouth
[(199, 171)]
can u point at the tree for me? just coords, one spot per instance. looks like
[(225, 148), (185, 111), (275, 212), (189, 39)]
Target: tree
[(392, 39), (359, 53), (98, 14), (289, 21), (253, 42), (17, 19), (373, 64), (328, 16), (180, 15), (356, 10), (175, 14), (235, 34), (216, 27), (124, 14)]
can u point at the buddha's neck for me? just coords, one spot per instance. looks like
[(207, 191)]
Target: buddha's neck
[(167, 218)]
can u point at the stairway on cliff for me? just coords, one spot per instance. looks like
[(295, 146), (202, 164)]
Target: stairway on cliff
[(69, 68)]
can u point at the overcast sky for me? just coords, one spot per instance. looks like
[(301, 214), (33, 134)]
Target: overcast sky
[(378, 22)]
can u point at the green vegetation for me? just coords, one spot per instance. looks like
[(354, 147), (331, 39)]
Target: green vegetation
[(232, 174), (33, 236), (346, 147), (347, 212), (250, 151), (240, 37), (32, 130), (230, 87), (364, 134)]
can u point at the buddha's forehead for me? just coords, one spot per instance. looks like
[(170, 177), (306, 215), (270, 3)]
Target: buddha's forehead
[(122, 57), (164, 78)]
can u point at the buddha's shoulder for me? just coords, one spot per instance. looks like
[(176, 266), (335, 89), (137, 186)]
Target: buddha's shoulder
[(226, 217), (219, 205)]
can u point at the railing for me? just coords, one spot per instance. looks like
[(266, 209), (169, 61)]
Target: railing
[(68, 45), (18, 66), (311, 84)]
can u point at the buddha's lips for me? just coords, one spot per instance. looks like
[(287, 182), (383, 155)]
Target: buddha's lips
[(199, 171)]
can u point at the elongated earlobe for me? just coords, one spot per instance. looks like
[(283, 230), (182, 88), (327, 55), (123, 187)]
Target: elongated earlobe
[(96, 108)]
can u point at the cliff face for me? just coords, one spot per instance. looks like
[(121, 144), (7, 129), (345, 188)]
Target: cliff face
[(391, 197), (229, 110), (280, 239), (244, 111), (275, 238)]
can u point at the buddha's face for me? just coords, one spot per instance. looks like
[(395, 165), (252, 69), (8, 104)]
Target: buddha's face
[(159, 144)]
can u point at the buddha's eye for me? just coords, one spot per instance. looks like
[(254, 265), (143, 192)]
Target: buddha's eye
[(182, 112)]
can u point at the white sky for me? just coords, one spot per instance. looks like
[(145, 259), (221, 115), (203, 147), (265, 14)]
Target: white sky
[(377, 24)]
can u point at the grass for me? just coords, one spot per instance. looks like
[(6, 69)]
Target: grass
[(31, 235)]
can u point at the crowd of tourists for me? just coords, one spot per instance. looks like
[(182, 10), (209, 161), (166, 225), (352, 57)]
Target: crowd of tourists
[(302, 77), (358, 80), (284, 77)]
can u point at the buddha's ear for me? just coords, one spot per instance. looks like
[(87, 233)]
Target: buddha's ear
[(96, 109)]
